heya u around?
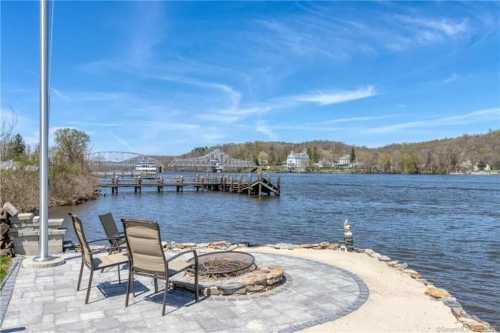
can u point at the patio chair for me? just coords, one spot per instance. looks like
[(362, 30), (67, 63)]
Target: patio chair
[(116, 238), (89, 258), (148, 259)]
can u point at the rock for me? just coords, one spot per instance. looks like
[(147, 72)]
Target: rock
[(230, 288), (287, 246), (255, 288), (402, 266), (436, 292), (424, 281), (451, 302), (214, 291), (414, 274), (202, 245), (384, 258), (458, 312), (393, 263), (370, 252), (10, 208), (474, 325), (308, 246), (324, 245), (185, 245), (219, 244), (333, 246), (274, 275)]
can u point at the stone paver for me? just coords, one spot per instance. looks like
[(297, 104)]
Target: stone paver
[(47, 300)]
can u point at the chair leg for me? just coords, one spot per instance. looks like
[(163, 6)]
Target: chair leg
[(156, 285), (89, 286), (196, 288), (165, 297), (80, 277), (119, 277), (129, 285)]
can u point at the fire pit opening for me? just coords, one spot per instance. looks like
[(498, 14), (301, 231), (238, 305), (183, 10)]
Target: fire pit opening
[(224, 264), (235, 273)]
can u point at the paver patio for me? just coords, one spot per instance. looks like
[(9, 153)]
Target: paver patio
[(47, 300)]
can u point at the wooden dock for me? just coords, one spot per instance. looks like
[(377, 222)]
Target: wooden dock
[(260, 185)]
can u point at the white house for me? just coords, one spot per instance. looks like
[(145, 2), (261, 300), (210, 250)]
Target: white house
[(344, 161), (297, 161)]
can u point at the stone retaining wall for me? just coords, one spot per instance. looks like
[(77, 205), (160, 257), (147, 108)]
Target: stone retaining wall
[(25, 232)]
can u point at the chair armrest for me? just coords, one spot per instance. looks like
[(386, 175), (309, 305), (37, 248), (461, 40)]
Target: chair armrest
[(195, 264), (195, 255)]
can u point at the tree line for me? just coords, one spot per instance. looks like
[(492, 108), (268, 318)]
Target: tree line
[(442, 156)]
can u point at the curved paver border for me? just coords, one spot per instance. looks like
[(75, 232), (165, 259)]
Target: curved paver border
[(364, 293)]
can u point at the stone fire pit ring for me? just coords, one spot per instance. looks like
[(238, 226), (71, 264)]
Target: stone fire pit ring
[(235, 273)]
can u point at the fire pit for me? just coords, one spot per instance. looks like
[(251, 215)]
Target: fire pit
[(224, 264), (232, 273)]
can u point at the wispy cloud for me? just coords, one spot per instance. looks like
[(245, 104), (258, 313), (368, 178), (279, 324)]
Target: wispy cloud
[(486, 115), (444, 26), (263, 128), (335, 97)]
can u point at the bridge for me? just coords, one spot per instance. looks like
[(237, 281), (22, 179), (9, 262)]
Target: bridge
[(216, 160), (105, 162)]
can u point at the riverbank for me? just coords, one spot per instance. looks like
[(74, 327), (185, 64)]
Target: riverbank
[(20, 187)]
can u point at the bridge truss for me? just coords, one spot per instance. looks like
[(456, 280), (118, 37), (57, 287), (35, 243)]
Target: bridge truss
[(216, 160)]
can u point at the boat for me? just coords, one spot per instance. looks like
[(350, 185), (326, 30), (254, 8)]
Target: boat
[(147, 168)]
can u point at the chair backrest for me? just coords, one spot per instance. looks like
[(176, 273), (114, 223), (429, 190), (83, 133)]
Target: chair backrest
[(109, 225), (144, 246), (80, 234)]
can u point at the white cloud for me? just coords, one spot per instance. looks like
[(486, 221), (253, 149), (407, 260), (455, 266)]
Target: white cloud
[(448, 27), (486, 115), (328, 98), (266, 130)]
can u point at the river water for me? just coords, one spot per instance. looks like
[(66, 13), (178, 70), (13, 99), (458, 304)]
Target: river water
[(445, 227)]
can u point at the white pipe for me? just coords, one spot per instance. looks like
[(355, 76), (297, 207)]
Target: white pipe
[(44, 133)]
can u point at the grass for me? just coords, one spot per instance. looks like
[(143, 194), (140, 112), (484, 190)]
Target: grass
[(4, 266)]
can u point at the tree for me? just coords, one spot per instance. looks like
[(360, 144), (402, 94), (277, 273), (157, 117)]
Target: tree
[(262, 158), (71, 145), (17, 146), (353, 155)]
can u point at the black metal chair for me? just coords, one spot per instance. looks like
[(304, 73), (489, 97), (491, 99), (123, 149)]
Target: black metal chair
[(148, 259), (116, 238), (89, 258)]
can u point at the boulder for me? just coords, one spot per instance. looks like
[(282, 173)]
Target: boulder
[(474, 325), (393, 263), (370, 252), (324, 245), (219, 244), (333, 246), (437, 293), (185, 245), (384, 258), (414, 274)]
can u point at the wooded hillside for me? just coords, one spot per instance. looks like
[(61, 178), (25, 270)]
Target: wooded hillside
[(436, 156)]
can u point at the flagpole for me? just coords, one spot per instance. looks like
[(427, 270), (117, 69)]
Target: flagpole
[(44, 134)]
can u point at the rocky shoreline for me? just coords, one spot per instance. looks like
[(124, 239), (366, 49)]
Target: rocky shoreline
[(469, 321)]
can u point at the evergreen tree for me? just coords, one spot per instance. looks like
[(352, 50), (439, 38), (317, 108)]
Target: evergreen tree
[(353, 155)]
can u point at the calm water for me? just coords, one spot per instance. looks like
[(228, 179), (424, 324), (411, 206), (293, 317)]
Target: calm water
[(446, 227)]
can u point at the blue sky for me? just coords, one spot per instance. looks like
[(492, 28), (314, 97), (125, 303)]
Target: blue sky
[(164, 77)]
